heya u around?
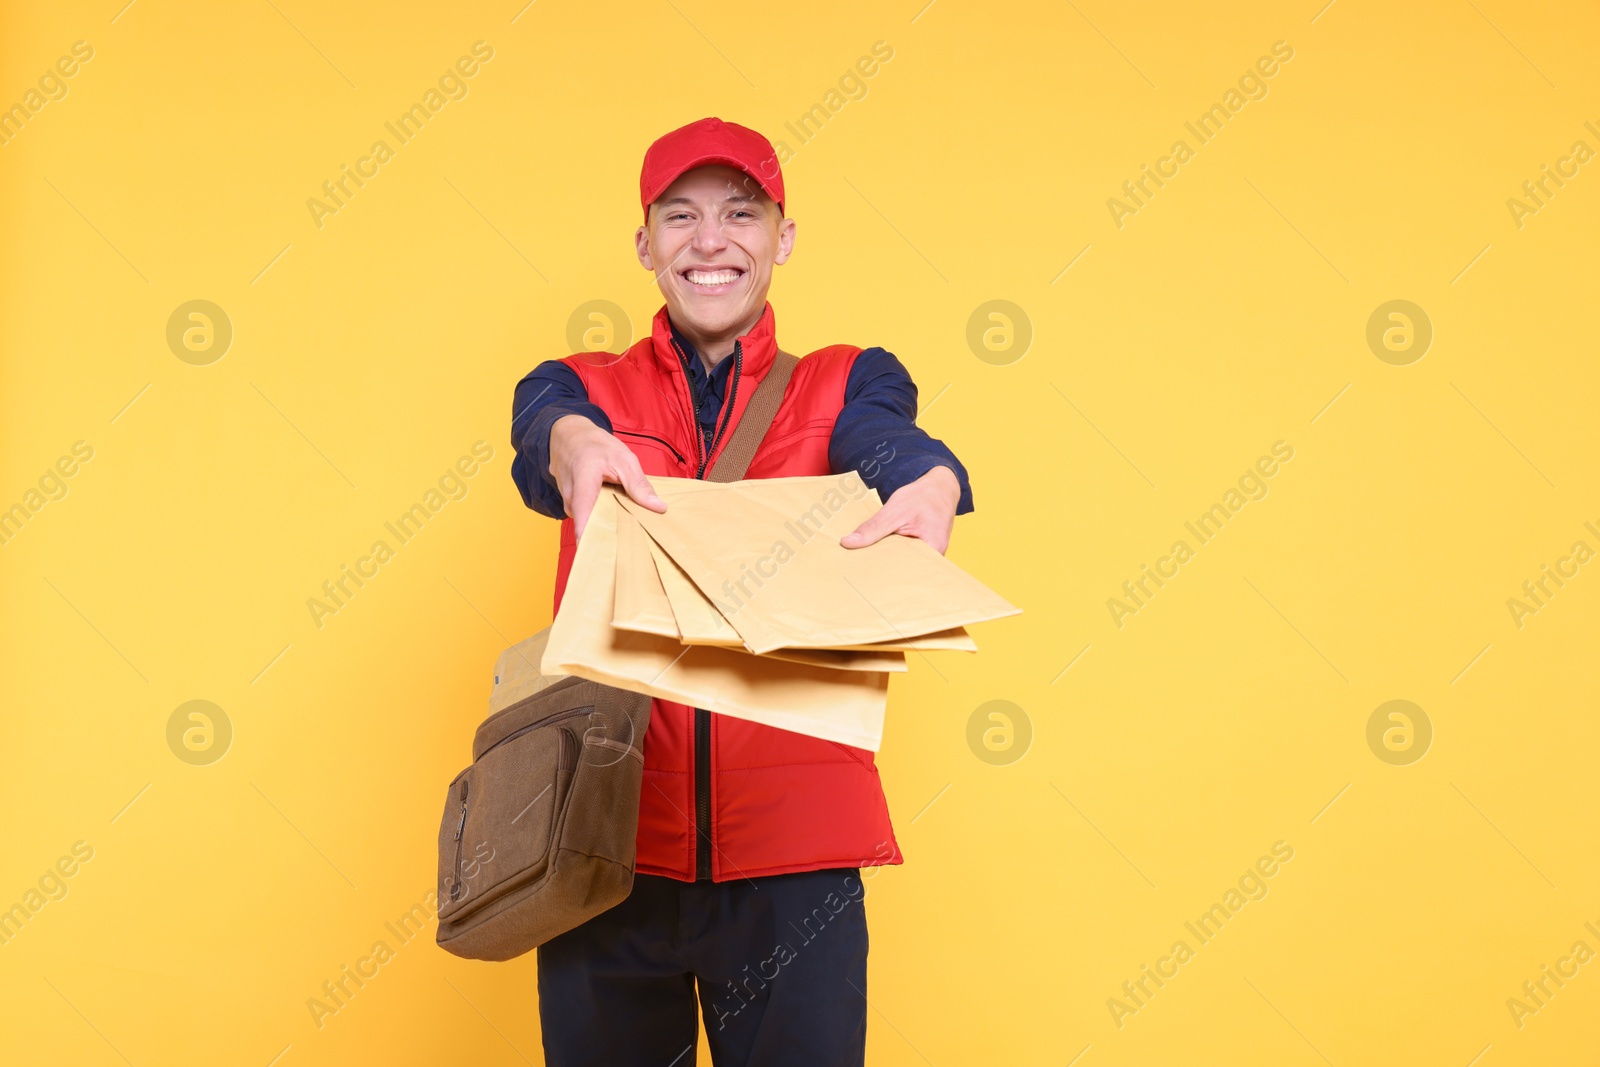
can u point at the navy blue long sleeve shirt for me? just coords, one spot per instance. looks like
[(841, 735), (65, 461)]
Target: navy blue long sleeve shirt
[(875, 434)]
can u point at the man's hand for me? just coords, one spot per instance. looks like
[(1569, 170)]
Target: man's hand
[(925, 508), (582, 456)]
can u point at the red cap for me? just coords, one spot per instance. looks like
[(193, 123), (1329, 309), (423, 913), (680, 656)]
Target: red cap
[(704, 142)]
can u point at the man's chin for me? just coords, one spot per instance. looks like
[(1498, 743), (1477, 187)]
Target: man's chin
[(708, 316)]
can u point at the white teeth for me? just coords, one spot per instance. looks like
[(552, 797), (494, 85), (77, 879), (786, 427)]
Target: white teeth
[(711, 277)]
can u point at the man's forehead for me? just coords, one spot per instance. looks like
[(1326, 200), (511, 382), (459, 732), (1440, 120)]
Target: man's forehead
[(730, 198), (713, 182)]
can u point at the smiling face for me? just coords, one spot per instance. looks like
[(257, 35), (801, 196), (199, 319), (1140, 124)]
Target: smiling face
[(712, 240)]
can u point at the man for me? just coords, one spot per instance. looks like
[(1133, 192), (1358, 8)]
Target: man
[(751, 838)]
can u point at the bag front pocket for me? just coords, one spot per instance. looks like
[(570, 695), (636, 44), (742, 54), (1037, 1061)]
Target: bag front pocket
[(502, 814)]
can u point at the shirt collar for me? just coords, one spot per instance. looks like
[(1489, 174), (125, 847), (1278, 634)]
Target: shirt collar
[(757, 347)]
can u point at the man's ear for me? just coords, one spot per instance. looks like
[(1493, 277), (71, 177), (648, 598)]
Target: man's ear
[(785, 241), (641, 243)]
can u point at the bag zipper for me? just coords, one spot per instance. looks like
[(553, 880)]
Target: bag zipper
[(547, 720), (455, 885), (568, 757)]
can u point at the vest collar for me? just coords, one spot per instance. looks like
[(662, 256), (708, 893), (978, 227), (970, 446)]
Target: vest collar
[(758, 347)]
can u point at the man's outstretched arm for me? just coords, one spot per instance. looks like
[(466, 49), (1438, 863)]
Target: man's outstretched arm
[(923, 484), (565, 450)]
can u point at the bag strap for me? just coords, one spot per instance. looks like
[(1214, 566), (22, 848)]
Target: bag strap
[(735, 457)]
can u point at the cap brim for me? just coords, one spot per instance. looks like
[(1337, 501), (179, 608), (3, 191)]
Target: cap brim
[(706, 161)]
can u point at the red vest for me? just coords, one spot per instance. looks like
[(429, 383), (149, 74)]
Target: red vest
[(778, 801)]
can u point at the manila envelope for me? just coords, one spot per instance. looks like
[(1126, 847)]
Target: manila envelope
[(766, 553), (654, 596), (642, 602), (843, 706), (517, 674), (687, 614), (700, 623)]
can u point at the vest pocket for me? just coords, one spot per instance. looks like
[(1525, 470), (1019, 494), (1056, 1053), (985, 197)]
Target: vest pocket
[(854, 754), (649, 440), (814, 428)]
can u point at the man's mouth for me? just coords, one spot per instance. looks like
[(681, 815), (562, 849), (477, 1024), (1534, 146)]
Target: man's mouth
[(713, 281)]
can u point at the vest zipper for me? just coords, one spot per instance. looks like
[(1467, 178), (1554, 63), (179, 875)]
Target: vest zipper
[(694, 404), (702, 717), (702, 795), (727, 407)]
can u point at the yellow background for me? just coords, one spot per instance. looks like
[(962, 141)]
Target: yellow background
[(1226, 315)]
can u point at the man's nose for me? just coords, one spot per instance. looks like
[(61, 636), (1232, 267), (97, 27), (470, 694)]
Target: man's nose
[(708, 236)]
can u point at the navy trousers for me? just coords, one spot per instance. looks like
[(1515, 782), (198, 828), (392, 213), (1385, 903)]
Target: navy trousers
[(779, 964)]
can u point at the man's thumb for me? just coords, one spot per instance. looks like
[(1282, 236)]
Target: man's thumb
[(642, 492), (867, 533)]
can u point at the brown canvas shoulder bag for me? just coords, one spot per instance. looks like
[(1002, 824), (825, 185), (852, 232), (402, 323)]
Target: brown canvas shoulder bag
[(538, 834)]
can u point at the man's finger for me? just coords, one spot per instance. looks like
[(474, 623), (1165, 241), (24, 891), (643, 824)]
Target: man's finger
[(639, 489), (585, 491), (875, 529)]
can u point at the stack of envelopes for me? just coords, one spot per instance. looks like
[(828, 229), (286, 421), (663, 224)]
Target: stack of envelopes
[(740, 599)]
